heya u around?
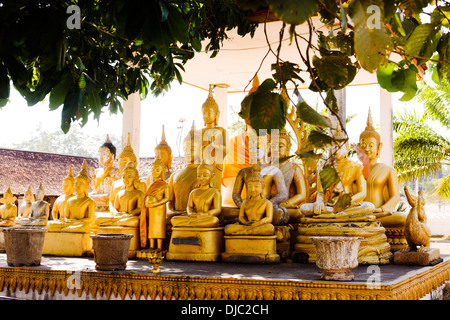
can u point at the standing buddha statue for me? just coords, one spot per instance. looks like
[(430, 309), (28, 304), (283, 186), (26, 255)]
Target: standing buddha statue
[(382, 187), (165, 152)]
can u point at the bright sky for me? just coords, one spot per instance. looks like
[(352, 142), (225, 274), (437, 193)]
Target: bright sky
[(18, 121)]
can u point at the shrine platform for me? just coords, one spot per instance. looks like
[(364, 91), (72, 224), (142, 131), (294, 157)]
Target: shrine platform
[(62, 278)]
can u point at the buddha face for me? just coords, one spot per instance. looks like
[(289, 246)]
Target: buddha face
[(283, 148), (8, 198), (40, 194), (81, 185), (166, 157), (370, 147), (255, 188), (209, 115), (129, 176), (28, 197), (123, 163), (106, 157), (157, 172), (68, 186), (342, 152), (203, 176)]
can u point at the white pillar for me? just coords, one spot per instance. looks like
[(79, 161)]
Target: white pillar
[(131, 122), (341, 97), (221, 97), (386, 127)]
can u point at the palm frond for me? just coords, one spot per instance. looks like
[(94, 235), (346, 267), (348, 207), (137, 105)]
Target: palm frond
[(443, 188), (436, 101)]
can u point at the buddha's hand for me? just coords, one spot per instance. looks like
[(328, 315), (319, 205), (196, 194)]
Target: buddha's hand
[(319, 207)]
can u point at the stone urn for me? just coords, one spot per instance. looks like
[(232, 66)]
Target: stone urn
[(337, 256), (111, 250), (24, 246)]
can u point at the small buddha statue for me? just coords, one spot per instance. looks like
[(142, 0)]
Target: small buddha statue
[(184, 180), (165, 152), (68, 192), (8, 210), (128, 202), (153, 213), (294, 179), (25, 207), (204, 203), (382, 185), (39, 211), (79, 212), (274, 184), (256, 212), (214, 138), (104, 176)]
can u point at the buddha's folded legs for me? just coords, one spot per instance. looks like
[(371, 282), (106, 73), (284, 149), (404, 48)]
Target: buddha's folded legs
[(195, 221), (266, 229)]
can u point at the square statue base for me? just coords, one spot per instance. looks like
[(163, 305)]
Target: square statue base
[(428, 258), (251, 249), (195, 244), (135, 241), (67, 244)]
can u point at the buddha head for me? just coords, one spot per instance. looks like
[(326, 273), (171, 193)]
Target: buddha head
[(126, 156), (130, 174), (107, 153), (205, 173), (369, 140), (159, 168), (164, 151), (81, 185), (255, 182), (40, 193), (192, 147), (284, 144), (343, 149), (68, 183), (8, 197), (29, 195), (210, 110)]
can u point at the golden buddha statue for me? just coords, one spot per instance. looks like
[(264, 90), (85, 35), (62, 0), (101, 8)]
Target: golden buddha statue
[(382, 187), (39, 211), (274, 184), (204, 203), (153, 213), (124, 157), (184, 180), (28, 199), (68, 192), (79, 212), (294, 179), (8, 210), (165, 152), (341, 210), (128, 201), (256, 212), (104, 176), (214, 138)]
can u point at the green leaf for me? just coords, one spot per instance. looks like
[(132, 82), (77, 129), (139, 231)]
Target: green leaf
[(328, 176), (343, 202), (422, 42), (384, 75), (319, 139), (294, 11), (177, 25), (286, 71), (311, 116), (59, 92), (4, 83), (372, 44), (336, 70)]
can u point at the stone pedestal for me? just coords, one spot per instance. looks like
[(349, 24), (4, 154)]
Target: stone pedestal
[(429, 257), (67, 244), (134, 244), (23, 246), (251, 249), (195, 244), (337, 256), (111, 251)]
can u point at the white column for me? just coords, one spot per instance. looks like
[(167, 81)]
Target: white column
[(341, 97), (221, 97), (386, 127), (131, 122)]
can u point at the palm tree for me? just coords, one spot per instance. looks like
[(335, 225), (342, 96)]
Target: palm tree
[(421, 145)]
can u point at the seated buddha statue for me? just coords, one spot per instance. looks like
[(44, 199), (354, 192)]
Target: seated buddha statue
[(204, 203), (39, 211), (68, 192), (382, 185), (256, 212), (274, 185), (214, 138), (104, 176), (79, 212), (293, 177), (8, 210), (128, 202), (124, 157), (153, 213), (28, 199), (184, 180)]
